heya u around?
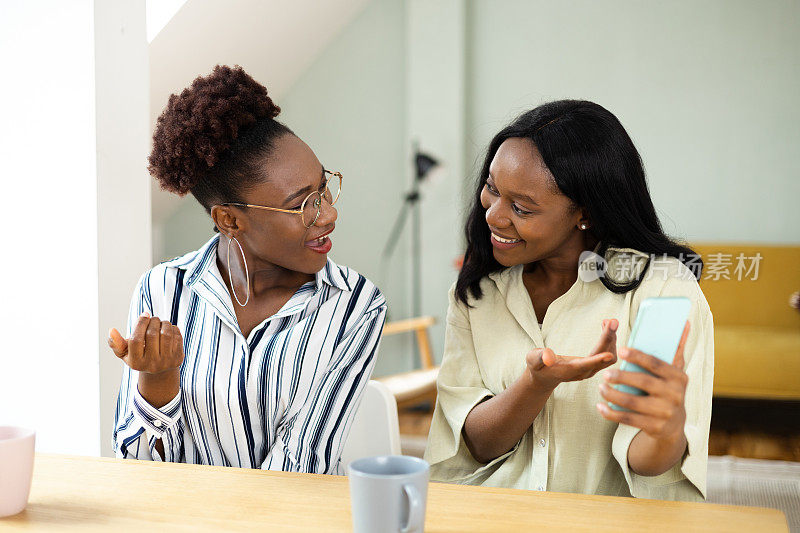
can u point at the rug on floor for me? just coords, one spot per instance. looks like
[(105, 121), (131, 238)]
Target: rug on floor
[(756, 483)]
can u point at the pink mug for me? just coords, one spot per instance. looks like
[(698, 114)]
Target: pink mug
[(16, 468)]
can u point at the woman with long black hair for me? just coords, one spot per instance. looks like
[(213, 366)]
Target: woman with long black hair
[(533, 329)]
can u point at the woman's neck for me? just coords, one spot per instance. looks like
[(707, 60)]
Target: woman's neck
[(264, 277), (561, 268)]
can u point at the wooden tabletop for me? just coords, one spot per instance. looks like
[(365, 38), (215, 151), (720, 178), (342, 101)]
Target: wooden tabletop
[(97, 494)]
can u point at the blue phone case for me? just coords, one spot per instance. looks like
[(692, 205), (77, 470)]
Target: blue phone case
[(657, 331)]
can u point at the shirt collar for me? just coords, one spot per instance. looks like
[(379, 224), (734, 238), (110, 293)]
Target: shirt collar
[(625, 265), (502, 277), (331, 274), (203, 277), (622, 265), (202, 261), (510, 285)]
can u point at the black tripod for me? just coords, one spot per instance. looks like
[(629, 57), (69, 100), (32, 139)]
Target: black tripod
[(423, 164)]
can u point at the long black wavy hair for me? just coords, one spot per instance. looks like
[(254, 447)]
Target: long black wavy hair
[(595, 164)]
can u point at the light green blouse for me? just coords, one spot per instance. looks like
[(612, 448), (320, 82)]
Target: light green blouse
[(570, 447)]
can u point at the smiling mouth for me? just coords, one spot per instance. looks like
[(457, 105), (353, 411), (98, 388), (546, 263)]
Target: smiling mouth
[(505, 241), (319, 241)]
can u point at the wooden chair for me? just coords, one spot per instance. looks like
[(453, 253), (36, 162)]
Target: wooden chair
[(417, 386)]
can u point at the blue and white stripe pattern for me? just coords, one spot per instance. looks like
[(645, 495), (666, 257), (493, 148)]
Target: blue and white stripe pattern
[(281, 399)]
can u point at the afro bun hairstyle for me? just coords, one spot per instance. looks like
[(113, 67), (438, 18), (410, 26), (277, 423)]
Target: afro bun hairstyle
[(208, 138)]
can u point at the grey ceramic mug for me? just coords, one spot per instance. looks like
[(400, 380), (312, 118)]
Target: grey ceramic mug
[(388, 494)]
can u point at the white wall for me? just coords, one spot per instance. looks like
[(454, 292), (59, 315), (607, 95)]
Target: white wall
[(123, 209), (275, 41), (62, 150), (48, 317)]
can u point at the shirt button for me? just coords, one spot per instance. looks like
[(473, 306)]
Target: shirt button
[(157, 423), (541, 443)]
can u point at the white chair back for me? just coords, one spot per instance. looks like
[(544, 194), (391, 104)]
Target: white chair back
[(375, 429)]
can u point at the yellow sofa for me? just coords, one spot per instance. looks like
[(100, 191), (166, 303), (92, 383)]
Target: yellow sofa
[(756, 331)]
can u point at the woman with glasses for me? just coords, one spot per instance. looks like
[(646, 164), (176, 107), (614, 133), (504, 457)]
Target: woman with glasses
[(254, 350)]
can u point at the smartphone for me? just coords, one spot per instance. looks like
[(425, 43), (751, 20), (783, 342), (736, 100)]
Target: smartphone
[(657, 332)]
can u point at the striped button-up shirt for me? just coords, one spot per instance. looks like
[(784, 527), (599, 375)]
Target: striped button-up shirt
[(281, 399)]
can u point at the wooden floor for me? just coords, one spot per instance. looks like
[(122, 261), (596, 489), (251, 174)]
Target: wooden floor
[(742, 428), (415, 422)]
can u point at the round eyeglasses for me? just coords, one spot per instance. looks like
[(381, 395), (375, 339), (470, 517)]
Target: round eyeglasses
[(312, 204)]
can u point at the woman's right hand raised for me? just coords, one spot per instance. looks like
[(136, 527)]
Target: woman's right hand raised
[(547, 369), (155, 347)]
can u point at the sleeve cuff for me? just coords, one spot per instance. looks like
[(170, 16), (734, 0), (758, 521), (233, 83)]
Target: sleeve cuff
[(157, 420), (447, 453), (695, 464), (681, 482)]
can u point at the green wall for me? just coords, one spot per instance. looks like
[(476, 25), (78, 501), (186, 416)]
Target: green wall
[(707, 90)]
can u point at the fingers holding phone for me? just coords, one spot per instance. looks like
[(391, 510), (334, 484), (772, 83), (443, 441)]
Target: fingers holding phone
[(661, 411), (649, 389)]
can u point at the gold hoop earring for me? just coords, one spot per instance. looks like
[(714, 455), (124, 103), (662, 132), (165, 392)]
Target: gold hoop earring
[(246, 272)]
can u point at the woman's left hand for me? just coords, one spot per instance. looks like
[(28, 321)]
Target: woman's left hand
[(661, 413)]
